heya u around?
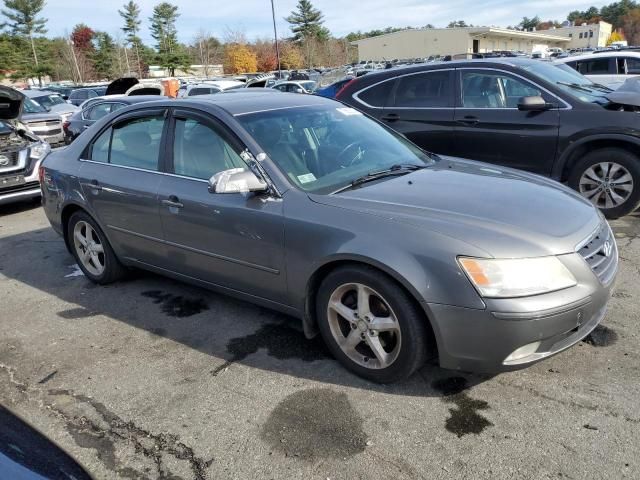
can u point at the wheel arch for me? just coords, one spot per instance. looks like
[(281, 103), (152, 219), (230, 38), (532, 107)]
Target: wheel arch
[(320, 273), (578, 149)]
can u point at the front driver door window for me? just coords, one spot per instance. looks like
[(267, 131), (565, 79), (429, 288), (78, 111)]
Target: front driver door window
[(490, 128), (233, 240)]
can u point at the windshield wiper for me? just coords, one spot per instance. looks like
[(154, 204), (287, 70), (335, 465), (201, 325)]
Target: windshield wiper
[(601, 87), (576, 86), (398, 169)]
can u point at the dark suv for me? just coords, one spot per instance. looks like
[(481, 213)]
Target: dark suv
[(521, 113)]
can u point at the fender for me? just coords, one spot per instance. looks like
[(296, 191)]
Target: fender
[(558, 167)]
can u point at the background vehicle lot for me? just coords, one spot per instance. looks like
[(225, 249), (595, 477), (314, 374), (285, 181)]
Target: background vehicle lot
[(149, 377)]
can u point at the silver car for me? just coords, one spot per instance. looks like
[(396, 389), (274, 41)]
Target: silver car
[(298, 203)]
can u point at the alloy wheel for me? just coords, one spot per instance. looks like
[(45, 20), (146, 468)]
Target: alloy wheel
[(606, 184), (364, 326), (89, 248)]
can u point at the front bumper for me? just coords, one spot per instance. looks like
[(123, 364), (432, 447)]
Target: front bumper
[(482, 340), (24, 191)]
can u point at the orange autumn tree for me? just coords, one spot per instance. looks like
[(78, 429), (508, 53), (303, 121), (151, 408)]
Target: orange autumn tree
[(239, 58)]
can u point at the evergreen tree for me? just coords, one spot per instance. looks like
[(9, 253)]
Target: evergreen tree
[(131, 14), (104, 57), (171, 55), (23, 20), (306, 22)]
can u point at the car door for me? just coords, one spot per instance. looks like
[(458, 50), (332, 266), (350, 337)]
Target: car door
[(119, 175), (421, 107), (233, 240), (489, 126)]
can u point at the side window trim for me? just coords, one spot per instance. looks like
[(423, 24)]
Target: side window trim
[(562, 104)]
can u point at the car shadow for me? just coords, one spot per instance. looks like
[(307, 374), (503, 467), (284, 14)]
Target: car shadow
[(19, 207), (229, 330)]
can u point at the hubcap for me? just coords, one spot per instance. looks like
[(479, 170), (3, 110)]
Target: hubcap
[(606, 184), (364, 325), (89, 248)]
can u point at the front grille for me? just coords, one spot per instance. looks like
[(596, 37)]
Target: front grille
[(8, 160), (601, 254)]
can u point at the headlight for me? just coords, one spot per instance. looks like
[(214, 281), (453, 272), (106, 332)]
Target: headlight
[(517, 277), (39, 151)]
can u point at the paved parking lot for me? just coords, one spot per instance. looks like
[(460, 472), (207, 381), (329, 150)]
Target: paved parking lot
[(150, 378)]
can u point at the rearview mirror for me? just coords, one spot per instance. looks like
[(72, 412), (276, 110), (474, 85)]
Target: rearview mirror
[(236, 180), (533, 104)]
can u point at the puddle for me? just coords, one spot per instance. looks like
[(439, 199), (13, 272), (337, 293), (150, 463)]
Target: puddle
[(464, 419), (315, 423), (601, 337), (176, 305), (281, 341)]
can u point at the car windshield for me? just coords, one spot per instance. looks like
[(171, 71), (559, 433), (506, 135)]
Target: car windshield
[(49, 101), (322, 149), (567, 79), (29, 106), (309, 86)]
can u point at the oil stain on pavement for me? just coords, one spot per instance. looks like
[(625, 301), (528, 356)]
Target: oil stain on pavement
[(601, 337), (280, 340), (176, 305), (464, 419), (315, 423)]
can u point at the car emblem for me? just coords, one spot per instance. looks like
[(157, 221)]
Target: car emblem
[(4, 160), (607, 248)]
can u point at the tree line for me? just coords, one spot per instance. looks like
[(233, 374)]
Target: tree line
[(87, 54)]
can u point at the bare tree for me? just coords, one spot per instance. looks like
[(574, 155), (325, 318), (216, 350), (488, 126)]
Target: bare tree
[(208, 50)]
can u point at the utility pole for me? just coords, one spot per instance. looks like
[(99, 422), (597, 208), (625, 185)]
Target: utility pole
[(275, 34)]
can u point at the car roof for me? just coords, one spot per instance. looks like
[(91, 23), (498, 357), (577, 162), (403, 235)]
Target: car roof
[(38, 93), (243, 103), (601, 54)]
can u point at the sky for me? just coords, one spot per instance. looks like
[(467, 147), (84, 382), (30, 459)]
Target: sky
[(218, 17)]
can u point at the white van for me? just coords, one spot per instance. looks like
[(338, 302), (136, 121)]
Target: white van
[(609, 68)]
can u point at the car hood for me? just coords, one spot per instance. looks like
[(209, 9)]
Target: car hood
[(39, 117), (505, 212), (626, 94), (11, 101)]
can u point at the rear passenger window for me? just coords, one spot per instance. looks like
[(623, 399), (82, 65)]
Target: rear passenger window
[(377, 95), (99, 111), (424, 90), (136, 143), (593, 67), (100, 147)]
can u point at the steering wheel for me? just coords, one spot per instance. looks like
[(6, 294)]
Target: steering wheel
[(346, 150)]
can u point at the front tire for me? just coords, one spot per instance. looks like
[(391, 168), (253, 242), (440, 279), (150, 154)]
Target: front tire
[(610, 179), (370, 324), (92, 250)]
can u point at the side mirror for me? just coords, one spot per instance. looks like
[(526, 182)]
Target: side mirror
[(533, 104), (298, 90), (236, 180)]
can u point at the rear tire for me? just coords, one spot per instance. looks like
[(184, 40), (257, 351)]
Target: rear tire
[(370, 324), (92, 250), (610, 179)]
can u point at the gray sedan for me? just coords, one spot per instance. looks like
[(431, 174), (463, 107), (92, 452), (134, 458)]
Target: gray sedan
[(298, 203)]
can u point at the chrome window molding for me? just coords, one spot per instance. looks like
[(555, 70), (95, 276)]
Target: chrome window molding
[(356, 95), (144, 170)]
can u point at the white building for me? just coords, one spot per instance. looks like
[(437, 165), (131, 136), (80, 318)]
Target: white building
[(421, 43)]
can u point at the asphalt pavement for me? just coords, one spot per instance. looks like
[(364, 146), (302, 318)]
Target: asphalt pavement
[(151, 378)]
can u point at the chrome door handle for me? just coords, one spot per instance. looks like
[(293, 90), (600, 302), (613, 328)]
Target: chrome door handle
[(94, 185), (172, 202)]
